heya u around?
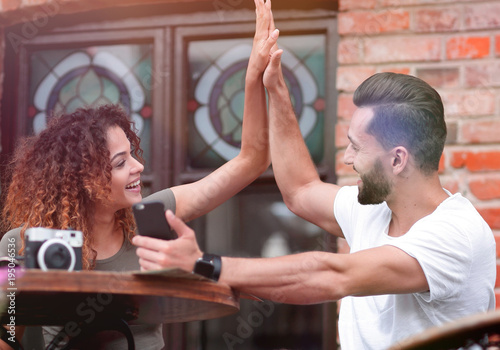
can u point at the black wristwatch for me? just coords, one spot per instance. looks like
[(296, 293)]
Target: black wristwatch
[(209, 266)]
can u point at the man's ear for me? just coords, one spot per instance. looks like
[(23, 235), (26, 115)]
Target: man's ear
[(400, 158)]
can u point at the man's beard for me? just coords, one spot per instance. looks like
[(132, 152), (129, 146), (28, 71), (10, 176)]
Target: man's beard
[(376, 187)]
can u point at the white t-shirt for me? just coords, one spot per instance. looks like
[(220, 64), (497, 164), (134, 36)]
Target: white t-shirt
[(456, 250)]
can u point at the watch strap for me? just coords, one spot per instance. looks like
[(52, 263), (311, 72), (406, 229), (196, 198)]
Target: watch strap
[(215, 261)]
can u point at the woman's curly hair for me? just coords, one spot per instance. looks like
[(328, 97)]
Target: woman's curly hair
[(58, 176)]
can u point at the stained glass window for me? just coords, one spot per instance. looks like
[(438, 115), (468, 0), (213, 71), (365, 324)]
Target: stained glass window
[(216, 94), (64, 80)]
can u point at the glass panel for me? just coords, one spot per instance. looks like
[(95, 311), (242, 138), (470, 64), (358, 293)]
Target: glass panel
[(259, 224), (65, 79), (216, 94)]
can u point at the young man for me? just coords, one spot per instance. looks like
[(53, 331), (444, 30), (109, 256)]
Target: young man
[(420, 256)]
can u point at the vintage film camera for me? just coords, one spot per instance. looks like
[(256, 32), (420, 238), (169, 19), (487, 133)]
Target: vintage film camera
[(49, 249)]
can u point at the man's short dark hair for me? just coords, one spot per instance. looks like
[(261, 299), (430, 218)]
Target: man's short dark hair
[(407, 112)]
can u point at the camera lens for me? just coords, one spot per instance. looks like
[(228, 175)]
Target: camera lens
[(57, 257), (56, 254)]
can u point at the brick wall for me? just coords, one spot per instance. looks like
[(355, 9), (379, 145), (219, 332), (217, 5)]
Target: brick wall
[(455, 47)]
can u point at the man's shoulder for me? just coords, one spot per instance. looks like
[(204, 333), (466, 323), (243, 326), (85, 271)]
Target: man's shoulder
[(457, 217), (457, 207)]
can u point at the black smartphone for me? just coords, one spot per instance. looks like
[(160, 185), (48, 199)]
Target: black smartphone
[(151, 221)]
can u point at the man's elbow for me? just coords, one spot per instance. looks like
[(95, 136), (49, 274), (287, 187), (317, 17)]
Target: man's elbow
[(292, 203), (296, 202)]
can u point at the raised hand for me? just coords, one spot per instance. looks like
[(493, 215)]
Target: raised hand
[(265, 38), (273, 75)]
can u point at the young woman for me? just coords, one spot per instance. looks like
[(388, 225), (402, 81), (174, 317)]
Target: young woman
[(84, 172)]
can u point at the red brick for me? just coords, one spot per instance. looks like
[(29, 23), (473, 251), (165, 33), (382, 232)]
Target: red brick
[(468, 47), (437, 20), (491, 216), (497, 297), (482, 16), (441, 164), (497, 241), (497, 282), (349, 51), (476, 161), (384, 3), (497, 45), (345, 106), (356, 4), (440, 77), (474, 102), (400, 70), (485, 186), (402, 49), (476, 131), (483, 74), (367, 22), (349, 78)]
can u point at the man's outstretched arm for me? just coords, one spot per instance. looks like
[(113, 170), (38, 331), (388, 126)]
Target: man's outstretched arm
[(306, 278)]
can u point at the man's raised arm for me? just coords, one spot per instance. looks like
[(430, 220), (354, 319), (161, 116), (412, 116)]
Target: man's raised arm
[(301, 187)]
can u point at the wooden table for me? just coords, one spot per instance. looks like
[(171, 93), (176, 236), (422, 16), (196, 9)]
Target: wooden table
[(481, 329), (57, 297)]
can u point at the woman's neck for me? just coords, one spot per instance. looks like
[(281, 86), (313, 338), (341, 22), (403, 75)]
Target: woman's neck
[(107, 236)]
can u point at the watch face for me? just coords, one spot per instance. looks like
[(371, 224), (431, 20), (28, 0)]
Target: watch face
[(204, 268)]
